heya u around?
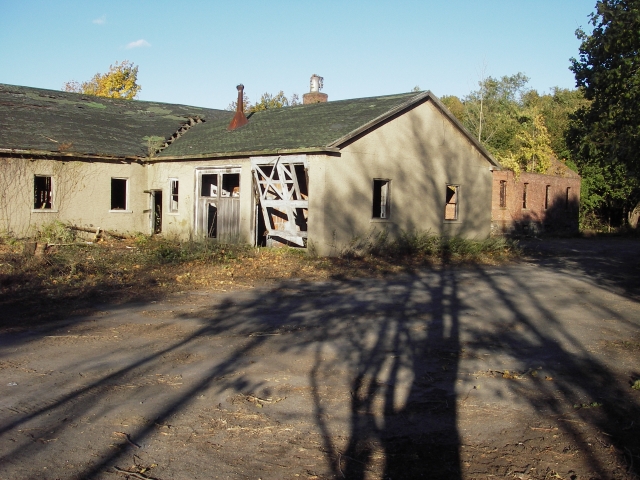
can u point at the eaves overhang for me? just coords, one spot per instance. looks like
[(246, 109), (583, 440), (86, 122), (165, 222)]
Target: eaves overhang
[(39, 154)]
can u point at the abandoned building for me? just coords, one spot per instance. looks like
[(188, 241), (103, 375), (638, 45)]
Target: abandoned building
[(536, 203), (318, 174)]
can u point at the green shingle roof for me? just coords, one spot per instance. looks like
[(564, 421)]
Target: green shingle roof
[(38, 120), (301, 127)]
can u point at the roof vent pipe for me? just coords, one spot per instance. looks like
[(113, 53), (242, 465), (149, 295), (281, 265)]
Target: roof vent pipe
[(239, 119), (315, 95), (316, 83)]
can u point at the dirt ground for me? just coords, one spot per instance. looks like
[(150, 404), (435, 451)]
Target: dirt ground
[(515, 371)]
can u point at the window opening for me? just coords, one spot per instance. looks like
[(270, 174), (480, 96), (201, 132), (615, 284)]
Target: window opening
[(566, 198), (173, 195), (118, 194), (524, 195), (381, 200), (42, 192), (547, 197), (451, 206), (503, 193), (209, 186)]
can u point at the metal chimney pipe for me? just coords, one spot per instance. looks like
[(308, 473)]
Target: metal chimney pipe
[(239, 119), (240, 106)]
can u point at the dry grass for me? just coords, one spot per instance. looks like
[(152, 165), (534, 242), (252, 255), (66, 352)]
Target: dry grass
[(77, 275)]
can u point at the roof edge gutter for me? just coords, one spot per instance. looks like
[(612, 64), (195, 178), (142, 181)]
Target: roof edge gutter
[(253, 153)]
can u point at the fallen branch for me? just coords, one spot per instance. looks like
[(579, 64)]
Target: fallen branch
[(97, 231), (126, 436), (133, 474), (544, 429)]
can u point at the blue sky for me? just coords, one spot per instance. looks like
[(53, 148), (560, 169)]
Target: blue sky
[(195, 52)]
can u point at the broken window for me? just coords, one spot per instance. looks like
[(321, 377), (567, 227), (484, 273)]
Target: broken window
[(547, 197), (42, 192), (381, 199), (525, 187), (173, 195), (503, 193), (119, 194), (230, 185), (451, 206), (212, 221)]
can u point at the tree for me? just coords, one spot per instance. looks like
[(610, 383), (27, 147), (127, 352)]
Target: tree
[(557, 109), (492, 113), (455, 106), (267, 102), (120, 82), (605, 135)]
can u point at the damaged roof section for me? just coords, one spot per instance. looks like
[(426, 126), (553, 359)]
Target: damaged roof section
[(38, 120)]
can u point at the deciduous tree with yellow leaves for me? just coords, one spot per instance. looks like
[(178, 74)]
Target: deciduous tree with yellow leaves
[(121, 81)]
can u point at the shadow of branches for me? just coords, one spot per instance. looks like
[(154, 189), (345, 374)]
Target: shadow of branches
[(394, 368)]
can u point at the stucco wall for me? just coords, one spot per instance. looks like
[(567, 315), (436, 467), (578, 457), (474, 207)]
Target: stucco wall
[(420, 152), (81, 195)]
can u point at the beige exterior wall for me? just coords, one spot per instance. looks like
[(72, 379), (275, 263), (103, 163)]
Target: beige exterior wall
[(420, 152), (81, 195)]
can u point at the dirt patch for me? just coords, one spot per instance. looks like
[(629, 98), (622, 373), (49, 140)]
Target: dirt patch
[(519, 371)]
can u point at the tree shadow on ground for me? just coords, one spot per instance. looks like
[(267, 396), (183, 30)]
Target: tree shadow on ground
[(386, 362), (612, 262)]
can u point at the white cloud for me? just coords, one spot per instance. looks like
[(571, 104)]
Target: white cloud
[(101, 21), (138, 43)]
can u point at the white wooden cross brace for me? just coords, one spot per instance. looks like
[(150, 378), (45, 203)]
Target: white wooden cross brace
[(281, 183)]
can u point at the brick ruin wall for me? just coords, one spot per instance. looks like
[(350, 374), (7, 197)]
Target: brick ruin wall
[(551, 205)]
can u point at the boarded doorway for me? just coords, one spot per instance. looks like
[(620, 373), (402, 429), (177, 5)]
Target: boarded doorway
[(218, 204)]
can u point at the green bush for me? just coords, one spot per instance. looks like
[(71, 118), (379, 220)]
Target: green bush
[(56, 232)]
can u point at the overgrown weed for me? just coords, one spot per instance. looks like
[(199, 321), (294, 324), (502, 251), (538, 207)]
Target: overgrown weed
[(430, 248), (77, 275)]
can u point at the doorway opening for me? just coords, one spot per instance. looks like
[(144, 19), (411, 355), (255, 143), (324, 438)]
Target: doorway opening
[(156, 211)]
